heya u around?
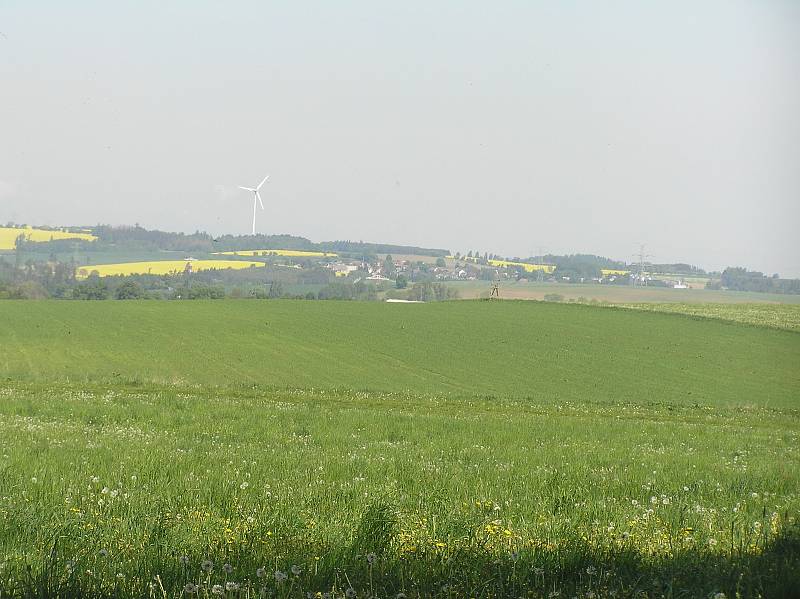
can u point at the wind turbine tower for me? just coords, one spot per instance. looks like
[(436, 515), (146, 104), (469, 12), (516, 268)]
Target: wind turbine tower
[(256, 199)]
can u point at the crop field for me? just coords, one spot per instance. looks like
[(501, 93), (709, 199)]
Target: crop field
[(349, 449), (286, 253), (162, 267), (778, 316), (8, 236), (616, 294)]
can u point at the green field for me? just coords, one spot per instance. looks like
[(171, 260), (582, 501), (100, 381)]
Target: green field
[(461, 449)]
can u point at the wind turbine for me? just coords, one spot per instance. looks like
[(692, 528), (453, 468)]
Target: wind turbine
[(256, 199)]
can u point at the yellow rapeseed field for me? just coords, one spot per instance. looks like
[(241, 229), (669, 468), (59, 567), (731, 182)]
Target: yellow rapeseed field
[(610, 271), (162, 267), (8, 236), (548, 268), (287, 253)]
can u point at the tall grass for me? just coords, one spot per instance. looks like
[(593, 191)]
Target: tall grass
[(155, 490)]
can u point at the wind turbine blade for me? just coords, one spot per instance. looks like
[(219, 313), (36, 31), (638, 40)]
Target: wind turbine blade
[(258, 195), (247, 188), (262, 182), (254, 215)]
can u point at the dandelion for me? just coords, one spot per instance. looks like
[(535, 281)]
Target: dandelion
[(685, 488), (280, 576), (228, 568), (231, 586), (184, 559), (217, 589), (207, 565), (95, 479), (296, 570), (719, 595), (244, 485), (34, 480), (591, 570), (104, 552), (371, 557), (190, 588), (261, 572), (350, 592)]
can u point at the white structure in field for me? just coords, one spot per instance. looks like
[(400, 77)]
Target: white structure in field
[(256, 199)]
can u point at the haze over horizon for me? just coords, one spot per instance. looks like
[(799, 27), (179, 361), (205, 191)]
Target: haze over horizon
[(469, 126)]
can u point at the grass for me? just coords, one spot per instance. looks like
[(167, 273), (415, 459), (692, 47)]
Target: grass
[(466, 449)]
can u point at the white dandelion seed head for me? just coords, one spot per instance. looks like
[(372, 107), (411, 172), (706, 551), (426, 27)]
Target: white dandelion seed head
[(228, 568), (296, 570), (207, 565), (350, 592), (103, 552), (231, 586), (591, 570), (217, 589), (190, 588), (280, 576), (184, 559), (244, 485), (261, 572), (371, 557), (95, 479)]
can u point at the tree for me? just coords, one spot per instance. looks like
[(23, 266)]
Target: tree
[(401, 282), (389, 269), (440, 262), (129, 290), (94, 288)]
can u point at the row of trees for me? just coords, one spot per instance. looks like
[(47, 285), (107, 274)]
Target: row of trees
[(741, 279)]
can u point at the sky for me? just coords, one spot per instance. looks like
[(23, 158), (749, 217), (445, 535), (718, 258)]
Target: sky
[(505, 127)]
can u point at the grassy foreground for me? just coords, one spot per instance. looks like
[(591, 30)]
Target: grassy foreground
[(481, 476)]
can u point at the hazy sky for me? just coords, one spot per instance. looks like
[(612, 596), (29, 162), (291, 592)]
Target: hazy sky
[(497, 126)]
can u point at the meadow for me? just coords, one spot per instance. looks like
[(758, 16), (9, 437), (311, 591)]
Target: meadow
[(348, 449)]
